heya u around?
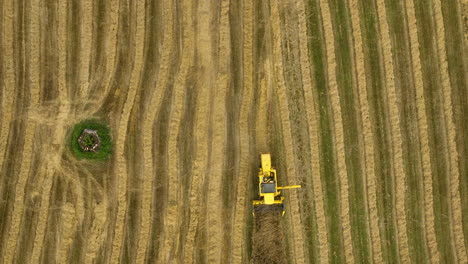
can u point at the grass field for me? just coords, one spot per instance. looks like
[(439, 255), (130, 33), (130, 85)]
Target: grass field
[(362, 102)]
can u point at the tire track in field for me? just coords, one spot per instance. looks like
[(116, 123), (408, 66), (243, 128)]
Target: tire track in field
[(454, 174), (218, 148), (239, 230), (23, 68), (368, 161), (314, 135), (337, 131), (172, 218), (423, 134), (455, 18), (438, 150), (131, 25), (297, 225)]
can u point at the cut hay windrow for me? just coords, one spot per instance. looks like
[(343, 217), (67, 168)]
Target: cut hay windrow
[(389, 103), (85, 33), (423, 128), (218, 147), (154, 123), (337, 132), (368, 136), (138, 210), (150, 114), (104, 51), (172, 218), (8, 109), (53, 161), (8, 75), (69, 224), (297, 106), (454, 174), (455, 19), (239, 231), (131, 72), (53, 195), (314, 135), (436, 128), (26, 152), (418, 226), (202, 126), (296, 224)]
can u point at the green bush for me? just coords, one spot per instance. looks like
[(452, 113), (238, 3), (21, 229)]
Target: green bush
[(103, 133)]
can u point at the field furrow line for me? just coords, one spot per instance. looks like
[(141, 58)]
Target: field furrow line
[(29, 128), (8, 76), (297, 226), (313, 135), (454, 175), (338, 130), (150, 115), (218, 148), (423, 134), (396, 135), (239, 232), (86, 34), (368, 162), (121, 166), (172, 218)]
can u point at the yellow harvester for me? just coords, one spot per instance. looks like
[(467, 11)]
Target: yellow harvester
[(268, 189)]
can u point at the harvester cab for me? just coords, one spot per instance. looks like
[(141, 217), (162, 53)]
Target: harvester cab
[(270, 197)]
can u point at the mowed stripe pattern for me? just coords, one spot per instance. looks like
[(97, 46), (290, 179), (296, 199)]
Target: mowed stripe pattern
[(363, 102)]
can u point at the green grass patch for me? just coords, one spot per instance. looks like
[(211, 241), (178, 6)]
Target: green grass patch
[(103, 132)]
